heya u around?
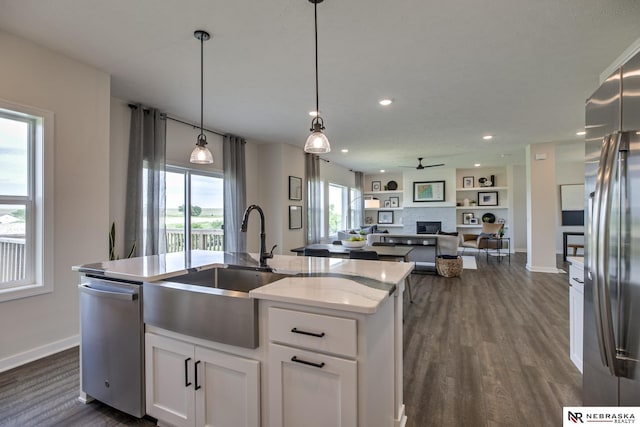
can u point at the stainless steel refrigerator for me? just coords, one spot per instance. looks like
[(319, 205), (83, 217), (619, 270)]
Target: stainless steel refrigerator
[(612, 246)]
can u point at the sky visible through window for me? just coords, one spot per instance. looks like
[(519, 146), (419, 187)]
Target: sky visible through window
[(13, 157), (14, 140)]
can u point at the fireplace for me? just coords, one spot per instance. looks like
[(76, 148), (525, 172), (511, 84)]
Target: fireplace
[(428, 227)]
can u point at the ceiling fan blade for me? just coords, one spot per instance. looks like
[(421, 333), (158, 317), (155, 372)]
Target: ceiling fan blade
[(433, 166)]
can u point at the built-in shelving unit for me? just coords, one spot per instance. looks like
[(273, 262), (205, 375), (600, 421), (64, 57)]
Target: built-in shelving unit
[(470, 194), (382, 196), (452, 209)]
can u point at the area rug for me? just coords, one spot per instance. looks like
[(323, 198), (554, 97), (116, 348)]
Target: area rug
[(469, 262)]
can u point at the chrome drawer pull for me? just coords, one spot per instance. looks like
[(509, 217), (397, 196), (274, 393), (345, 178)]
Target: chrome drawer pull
[(312, 334), (304, 362), (578, 280)]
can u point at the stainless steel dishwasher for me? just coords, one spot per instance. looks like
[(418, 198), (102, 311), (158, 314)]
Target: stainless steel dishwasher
[(112, 343)]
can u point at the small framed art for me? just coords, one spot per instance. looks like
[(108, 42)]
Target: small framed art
[(376, 185), (487, 198), (467, 217), (295, 188), (468, 182), (295, 217), (395, 202), (385, 217)]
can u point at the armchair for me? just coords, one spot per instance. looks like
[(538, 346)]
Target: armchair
[(480, 241)]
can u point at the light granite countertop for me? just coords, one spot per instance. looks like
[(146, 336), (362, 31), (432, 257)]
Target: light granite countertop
[(352, 285)]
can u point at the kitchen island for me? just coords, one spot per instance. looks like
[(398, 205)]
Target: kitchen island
[(328, 349)]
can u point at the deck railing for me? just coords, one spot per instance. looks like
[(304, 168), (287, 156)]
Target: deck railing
[(208, 240), (12, 258)]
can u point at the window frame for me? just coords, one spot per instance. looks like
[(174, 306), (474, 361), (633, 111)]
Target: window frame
[(39, 271)]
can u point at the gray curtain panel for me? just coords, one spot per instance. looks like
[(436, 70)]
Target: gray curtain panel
[(145, 199), (314, 194), (235, 190), (358, 204)]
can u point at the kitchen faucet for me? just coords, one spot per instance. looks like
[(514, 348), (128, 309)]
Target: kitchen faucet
[(264, 255)]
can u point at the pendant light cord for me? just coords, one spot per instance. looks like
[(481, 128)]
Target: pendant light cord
[(201, 85), (315, 16)]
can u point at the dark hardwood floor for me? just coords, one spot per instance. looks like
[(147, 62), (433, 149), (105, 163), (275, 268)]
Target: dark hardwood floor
[(490, 348)]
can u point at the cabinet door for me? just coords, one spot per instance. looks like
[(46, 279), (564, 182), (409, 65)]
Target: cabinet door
[(169, 380), (576, 310), (311, 389), (228, 393)]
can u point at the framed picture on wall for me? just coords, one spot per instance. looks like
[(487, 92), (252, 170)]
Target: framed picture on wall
[(385, 217), (395, 202), (487, 198), (428, 191), (467, 217), (376, 186), (295, 217), (295, 188), (467, 182)]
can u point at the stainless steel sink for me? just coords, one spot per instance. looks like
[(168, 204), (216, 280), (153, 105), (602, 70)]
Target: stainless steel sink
[(210, 304)]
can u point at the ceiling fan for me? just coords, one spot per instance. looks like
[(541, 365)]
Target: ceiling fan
[(421, 166)]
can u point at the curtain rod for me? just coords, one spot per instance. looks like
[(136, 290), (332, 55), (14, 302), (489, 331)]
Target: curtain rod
[(166, 116)]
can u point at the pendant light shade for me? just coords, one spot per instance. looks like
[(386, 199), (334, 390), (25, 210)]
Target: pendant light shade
[(201, 154), (317, 143)]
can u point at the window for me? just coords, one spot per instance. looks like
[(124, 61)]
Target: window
[(26, 183), (202, 222), (338, 208), (355, 208)]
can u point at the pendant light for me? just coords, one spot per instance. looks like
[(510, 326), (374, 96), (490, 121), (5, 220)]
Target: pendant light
[(317, 142), (201, 154)]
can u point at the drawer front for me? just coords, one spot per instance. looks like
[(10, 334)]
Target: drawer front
[(576, 277), (319, 332)]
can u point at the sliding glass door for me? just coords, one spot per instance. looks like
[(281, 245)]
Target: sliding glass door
[(194, 210)]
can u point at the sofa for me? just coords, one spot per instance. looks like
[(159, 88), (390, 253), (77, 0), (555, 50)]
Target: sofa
[(425, 246)]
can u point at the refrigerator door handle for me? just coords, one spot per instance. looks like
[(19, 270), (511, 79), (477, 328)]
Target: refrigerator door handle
[(594, 248), (604, 219)]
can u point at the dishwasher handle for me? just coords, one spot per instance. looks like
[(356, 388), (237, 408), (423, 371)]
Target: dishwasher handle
[(126, 296)]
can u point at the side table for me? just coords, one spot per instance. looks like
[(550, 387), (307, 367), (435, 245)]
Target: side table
[(496, 247)]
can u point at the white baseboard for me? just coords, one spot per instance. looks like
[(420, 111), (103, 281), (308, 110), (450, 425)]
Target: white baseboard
[(38, 353), (536, 269), (401, 421)]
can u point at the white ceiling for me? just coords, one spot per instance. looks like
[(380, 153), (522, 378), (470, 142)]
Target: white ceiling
[(517, 69)]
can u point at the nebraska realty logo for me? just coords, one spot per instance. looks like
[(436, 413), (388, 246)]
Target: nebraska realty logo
[(603, 415)]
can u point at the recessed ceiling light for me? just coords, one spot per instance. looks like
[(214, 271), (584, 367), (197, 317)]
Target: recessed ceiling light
[(477, 165), (345, 150), (580, 133), (487, 137), (313, 113), (385, 101), (381, 170)]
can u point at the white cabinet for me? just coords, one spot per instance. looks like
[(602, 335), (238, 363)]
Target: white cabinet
[(576, 311), (189, 385), (328, 368), (311, 389), (169, 368)]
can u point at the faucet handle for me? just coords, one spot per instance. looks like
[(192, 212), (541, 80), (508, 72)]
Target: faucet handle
[(270, 254)]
